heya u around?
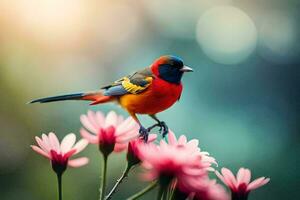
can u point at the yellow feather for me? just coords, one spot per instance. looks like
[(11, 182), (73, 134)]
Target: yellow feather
[(132, 88)]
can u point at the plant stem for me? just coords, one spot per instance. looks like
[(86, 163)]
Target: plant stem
[(103, 177), (160, 192), (171, 193), (239, 196), (143, 191), (59, 180), (119, 181)]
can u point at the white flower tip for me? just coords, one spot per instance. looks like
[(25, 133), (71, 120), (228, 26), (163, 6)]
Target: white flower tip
[(223, 168), (73, 135), (267, 180), (111, 112), (211, 169), (215, 162)]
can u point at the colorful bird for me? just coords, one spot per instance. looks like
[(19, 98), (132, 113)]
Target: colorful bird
[(147, 91)]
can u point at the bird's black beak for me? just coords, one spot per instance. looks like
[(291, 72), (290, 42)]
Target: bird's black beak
[(186, 69)]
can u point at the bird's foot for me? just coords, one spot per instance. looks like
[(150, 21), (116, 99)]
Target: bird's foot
[(144, 133), (163, 128)]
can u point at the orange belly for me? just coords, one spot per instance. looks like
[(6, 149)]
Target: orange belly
[(158, 97)]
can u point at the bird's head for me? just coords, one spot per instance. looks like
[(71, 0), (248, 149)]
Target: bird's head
[(170, 68)]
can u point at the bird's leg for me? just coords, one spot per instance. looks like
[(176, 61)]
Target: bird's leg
[(144, 133), (163, 126), (153, 126)]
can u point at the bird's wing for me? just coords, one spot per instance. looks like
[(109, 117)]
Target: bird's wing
[(132, 84)]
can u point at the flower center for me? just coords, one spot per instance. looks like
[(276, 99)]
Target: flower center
[(59, 161), (107, 140)]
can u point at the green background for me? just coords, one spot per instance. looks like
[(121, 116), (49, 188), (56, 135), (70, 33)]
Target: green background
[(245, 114)]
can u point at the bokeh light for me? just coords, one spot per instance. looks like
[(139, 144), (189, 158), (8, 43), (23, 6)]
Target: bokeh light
[(48, 22), (226, 34), (115, 24), (278, 37), (176, 18)]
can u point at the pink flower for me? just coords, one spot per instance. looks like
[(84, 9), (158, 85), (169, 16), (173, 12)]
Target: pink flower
[(59, 153), (240, 185), (207, 190), (179, 160), (192, 145), (111, 133), (134, 146), (210, 190)]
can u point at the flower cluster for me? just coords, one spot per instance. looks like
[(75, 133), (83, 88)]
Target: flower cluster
[(179, 167)]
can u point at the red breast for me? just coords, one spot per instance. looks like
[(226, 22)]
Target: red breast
[(158, 97)]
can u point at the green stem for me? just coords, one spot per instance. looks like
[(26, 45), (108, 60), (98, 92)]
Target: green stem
[(119, 181), (143, 191), (171, 193), (103, 178), (59, 180), (160, 192)]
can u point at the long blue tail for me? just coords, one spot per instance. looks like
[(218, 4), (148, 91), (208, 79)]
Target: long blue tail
[(77, 96)]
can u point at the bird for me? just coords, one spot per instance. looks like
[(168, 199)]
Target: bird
[(149, 91)]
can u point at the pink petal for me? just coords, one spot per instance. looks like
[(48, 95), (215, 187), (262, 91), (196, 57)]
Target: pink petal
[(130, 135), (240, 176), (87, 124), (120, 147), (100, 118), (194, 143), (267, 180), (46, 141), (194, 171), (257, 183), (40, 151), (152, 137), (182, 140), (54, 142), (111, 119), (126, 139), (44, 146), (126, 125), (247, 176), (93, 139), (68, 142), (93, 119), (78, 162), (68, 154), (172, 138), (220, 177), (120, 119), (80, 145), (229, 178), (163, 144)]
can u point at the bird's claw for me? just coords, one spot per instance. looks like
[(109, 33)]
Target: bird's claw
[(163, 128), (144, 133)]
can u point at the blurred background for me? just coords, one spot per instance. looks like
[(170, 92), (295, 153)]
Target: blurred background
[(242, 101)]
